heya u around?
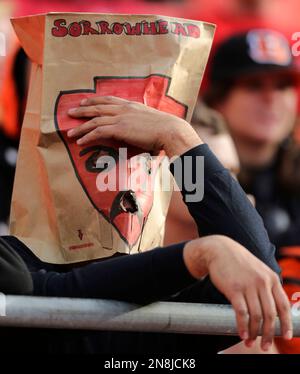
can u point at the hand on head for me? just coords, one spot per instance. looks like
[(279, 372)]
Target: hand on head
[(133, 123)]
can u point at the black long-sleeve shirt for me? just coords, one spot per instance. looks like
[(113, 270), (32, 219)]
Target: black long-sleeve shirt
[(278, 205), (225, 209), (14, 275), (154, 275)]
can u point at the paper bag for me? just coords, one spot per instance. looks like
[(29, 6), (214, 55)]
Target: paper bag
[(58, 208)]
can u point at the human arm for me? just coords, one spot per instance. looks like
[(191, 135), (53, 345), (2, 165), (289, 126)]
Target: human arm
[(160, 273)]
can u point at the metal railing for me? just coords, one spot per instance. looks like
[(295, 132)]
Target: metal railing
[(92, 314)]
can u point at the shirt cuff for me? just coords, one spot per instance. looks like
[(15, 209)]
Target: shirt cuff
[(211, 163), (172, 254), (186, 166)]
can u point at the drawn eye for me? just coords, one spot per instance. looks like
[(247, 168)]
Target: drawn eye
[(101, 159)]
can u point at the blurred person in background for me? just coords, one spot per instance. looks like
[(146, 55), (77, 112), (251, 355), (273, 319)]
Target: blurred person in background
[(253, 84)]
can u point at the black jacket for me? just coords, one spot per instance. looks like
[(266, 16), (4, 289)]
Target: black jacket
[(277, 196), (14, 276)]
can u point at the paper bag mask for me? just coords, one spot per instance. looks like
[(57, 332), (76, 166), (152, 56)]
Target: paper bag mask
[(59, 209)]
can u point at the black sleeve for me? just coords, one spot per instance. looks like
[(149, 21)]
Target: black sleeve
[(14, 275), (139, 278), (224, 208)]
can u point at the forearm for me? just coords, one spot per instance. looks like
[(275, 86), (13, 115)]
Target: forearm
[(225, 208), (179, 139), (139, 278)]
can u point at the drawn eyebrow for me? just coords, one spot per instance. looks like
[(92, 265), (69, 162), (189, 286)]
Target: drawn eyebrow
[(91, 162), (111, 151)]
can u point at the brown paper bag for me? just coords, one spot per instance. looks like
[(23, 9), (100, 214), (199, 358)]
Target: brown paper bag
[(57, 207)]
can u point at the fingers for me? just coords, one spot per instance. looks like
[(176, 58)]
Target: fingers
[(283, 310), (112, 100), (104, 109), (256, 308), (269, 317), (95, 110), (91, 125), (242, 316), (255, 315), (263, 305), (105, 132)]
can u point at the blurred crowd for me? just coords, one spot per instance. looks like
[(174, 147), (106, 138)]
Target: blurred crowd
[(248, 108)]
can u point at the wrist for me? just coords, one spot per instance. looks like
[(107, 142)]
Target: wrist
[(181, 138), (196, 257)]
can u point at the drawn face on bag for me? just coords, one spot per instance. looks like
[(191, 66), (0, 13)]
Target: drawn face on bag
[(117, 179)]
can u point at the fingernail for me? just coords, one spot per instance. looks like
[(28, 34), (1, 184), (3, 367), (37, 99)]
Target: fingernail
[(244, 335), (288, 335), (79, 141), (266, 346), (249, 343), (72, 110), (83, 101), (70, 132)]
